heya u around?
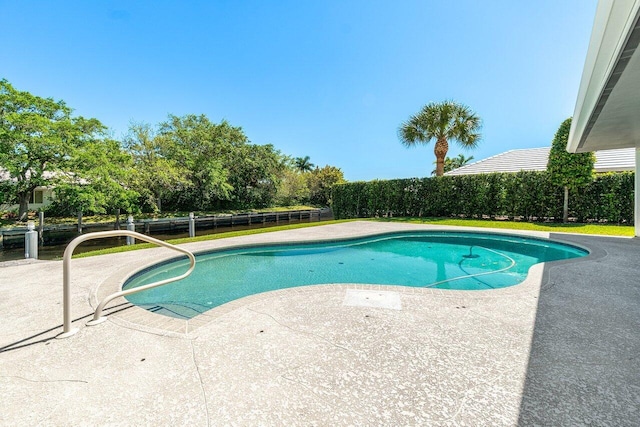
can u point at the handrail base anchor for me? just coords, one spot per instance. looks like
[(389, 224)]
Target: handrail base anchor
[(97, 321), (67, 334)]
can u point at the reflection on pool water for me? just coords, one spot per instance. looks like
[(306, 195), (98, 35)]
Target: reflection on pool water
[(443, 260)]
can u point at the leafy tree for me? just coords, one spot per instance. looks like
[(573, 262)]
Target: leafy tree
[(7, 192), (567, 170), (254, 174), (201, 148), (293, 189), (155, 175), (320, 182), (40, 143), (303, 164), (443, 121), (454, 163), (221, 167), (99, 182), (108, 171)]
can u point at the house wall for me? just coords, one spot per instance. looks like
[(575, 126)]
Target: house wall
[(48, 196)]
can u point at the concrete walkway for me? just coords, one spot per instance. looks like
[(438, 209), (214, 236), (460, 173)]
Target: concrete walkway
[(559, 349)]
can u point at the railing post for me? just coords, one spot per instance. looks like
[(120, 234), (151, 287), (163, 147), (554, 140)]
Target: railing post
[(31, 241), (192, 225), (131, 227)]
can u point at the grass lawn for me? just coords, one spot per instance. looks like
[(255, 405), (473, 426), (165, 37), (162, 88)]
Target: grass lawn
[(599, 229), (118, 249)]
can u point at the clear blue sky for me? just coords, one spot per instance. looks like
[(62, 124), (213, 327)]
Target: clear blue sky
[(331, 79)]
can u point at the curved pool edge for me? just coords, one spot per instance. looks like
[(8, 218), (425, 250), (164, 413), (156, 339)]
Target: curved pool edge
[(350, 240), (140, 318)]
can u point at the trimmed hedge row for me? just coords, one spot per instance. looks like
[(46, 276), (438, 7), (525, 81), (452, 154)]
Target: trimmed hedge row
[(529, 195)]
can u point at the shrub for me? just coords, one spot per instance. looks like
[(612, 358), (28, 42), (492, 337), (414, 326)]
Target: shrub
[(526, 194)]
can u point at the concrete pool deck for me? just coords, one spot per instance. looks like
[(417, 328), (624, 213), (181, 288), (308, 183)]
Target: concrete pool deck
[(562, 348)]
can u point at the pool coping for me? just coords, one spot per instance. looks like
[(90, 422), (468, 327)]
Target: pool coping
[(135, 317)]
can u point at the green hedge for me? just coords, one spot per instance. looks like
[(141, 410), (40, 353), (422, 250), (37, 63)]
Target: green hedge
[(526, 195)]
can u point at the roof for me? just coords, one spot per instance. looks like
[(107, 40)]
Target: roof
[(535, 159), (6, 176)]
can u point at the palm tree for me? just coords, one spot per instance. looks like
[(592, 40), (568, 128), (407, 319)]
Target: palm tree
[(442, 122), (303, 164), (458, 162), (454, 163)]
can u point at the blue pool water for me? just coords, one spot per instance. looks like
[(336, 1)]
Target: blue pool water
[(443, 260)]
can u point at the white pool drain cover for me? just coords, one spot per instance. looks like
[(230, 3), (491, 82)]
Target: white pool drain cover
[(378, 299)]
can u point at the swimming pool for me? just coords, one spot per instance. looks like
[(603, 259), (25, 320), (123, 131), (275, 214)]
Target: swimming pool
[(442, 260)]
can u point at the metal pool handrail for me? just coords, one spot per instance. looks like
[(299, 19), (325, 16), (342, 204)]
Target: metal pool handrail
[(67, 331)]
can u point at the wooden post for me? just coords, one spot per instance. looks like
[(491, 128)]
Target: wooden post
[(80, 222), (41, 227), (116, 225)]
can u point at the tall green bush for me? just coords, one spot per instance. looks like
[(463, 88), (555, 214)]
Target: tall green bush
[(527, 195), (568, 170)]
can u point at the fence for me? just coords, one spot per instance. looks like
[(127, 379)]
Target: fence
[(62, 233)]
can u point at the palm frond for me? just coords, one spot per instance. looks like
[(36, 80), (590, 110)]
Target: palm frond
[(447, 120)]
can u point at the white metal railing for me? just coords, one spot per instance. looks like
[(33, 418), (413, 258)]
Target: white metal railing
[(67, 331)]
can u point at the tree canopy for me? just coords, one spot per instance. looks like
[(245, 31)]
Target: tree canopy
[(41, 144), (321, 182), (571, 170), (568, 170), (451, 163), (441, 122), (303, 164), (154, 174), (183, 163), (219, 165)]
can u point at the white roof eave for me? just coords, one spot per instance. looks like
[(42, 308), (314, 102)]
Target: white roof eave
[(606, 110)]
